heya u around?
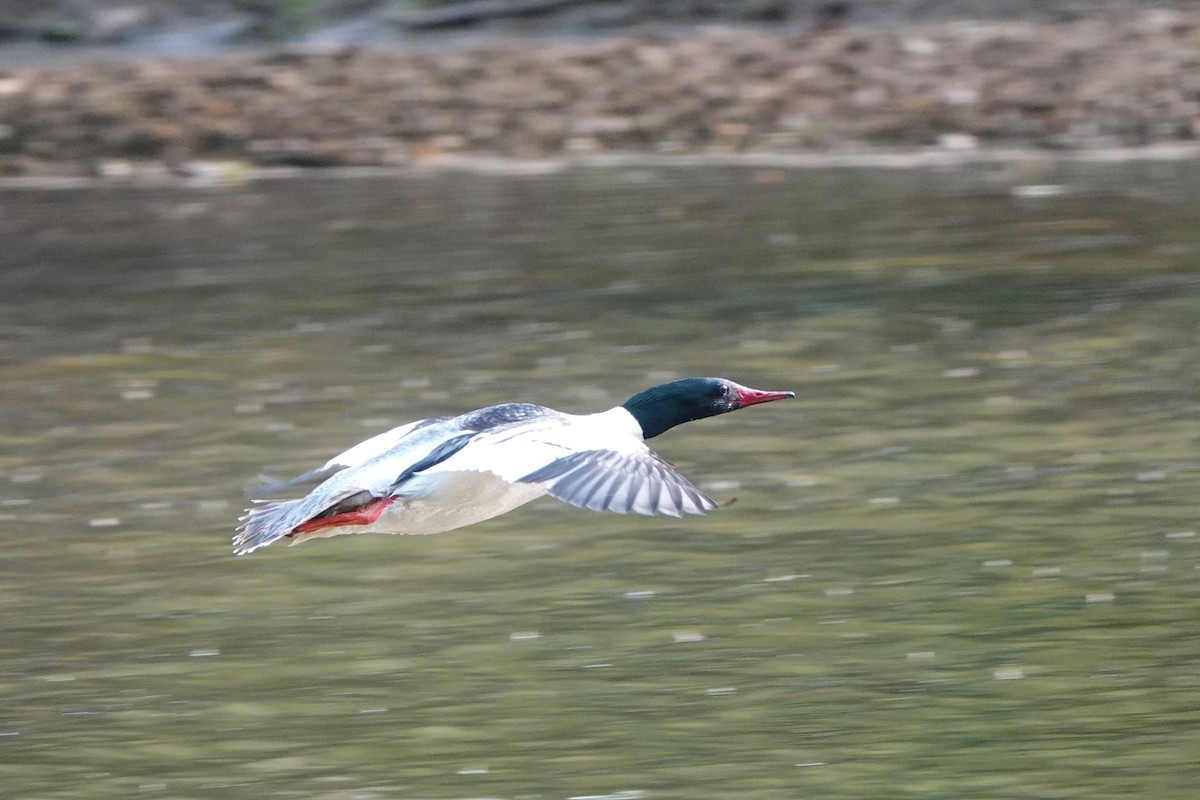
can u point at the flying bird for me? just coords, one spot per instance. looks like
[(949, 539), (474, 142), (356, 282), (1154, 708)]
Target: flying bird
[(443, 473)]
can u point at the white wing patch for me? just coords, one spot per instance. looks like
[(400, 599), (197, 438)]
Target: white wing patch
[(363, 452)]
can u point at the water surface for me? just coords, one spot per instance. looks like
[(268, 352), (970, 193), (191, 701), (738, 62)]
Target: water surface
[(963, 563)]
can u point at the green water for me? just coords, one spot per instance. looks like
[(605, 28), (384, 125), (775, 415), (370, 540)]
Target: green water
[(963, 563)]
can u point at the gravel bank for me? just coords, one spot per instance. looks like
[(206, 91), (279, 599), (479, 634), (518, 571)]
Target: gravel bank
[(1128, 80)]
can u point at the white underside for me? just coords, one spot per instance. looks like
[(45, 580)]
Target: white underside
[(442, 501)]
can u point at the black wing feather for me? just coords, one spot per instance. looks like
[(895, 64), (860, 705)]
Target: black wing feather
[(436, 456)]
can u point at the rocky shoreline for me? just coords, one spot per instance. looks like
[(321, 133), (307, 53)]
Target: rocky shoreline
[(1108, 80)]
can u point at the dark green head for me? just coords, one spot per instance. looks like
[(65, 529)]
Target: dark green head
[(661, 408)]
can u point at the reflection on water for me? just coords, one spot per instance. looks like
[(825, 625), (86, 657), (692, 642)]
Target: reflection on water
[(963, 563)]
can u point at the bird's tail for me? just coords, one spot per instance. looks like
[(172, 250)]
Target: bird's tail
[(262, 524)]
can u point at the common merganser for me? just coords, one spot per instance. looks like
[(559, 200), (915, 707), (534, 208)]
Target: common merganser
[(446, 472)]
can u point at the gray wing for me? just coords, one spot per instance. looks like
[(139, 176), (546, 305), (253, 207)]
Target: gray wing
[(603, 480)]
